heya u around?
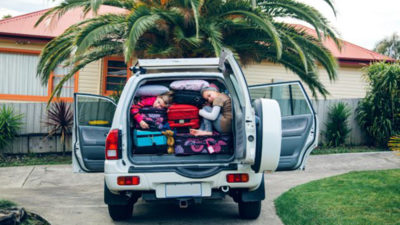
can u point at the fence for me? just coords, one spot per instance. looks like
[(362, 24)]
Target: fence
[(357, 136), (33, 135)]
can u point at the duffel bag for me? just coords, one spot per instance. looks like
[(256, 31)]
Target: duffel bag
[(189, 97), (149, 142), (186, 144), (155, 118), (183, 116)]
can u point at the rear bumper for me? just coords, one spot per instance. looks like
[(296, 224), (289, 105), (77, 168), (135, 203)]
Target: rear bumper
[(156, 181)]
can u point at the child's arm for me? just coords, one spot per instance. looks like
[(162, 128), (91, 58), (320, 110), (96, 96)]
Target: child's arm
[(210, 115), (135, 112)]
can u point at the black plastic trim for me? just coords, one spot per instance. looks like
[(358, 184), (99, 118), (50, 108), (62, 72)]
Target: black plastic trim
[(195, 172), (256, 195), (259, 134), (115, 199)]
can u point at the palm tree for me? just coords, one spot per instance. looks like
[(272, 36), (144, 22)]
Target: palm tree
[(194, 28)]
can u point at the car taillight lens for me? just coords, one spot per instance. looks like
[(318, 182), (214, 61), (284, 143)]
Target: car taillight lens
[(237, 178), (129, 180), (112, 145)]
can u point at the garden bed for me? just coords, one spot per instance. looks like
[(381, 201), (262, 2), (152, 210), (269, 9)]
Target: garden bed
[(34, 159), (345, 149)]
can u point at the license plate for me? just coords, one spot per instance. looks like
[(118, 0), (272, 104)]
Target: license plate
[(183, 190)]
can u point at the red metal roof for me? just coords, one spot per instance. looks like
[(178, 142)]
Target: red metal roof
[(23, 26), (349, 51)]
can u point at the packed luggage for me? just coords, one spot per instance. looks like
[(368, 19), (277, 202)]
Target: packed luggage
[(186, 144), (149, 142), (183, 116), (164, 118)]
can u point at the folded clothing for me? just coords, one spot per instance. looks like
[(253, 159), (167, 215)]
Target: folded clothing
[(193, 85)]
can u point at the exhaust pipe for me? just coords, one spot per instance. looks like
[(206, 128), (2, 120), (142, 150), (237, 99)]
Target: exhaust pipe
[(183, 204), (225, 189)]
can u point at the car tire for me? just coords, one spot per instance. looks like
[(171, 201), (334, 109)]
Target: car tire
[(249, 210), (120, 212)]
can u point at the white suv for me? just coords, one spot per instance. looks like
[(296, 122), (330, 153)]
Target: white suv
[(274, 127)]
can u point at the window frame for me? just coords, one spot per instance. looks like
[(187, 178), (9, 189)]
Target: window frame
[(104, 90), (50, 83)]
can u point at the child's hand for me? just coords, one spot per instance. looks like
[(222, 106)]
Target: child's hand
[(143, 125)]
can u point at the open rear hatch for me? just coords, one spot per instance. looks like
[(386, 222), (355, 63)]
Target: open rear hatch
[(153, 147)]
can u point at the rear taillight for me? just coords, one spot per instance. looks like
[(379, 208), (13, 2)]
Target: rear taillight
[(129, 180), (113, 145), (237, 178)]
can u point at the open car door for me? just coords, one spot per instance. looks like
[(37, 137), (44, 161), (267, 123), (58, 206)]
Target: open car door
[(298, 121), (93, 115)]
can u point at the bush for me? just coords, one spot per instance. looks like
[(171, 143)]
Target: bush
[(394, 143), (60, 120), (378, 113), (337, 127), (9, 125)]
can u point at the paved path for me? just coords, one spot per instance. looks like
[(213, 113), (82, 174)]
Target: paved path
[(63, 197)]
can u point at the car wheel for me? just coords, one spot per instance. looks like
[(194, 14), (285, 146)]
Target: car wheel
[(249, 210), (120, 212)]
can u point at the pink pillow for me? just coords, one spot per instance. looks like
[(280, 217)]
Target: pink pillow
[(193, 85)]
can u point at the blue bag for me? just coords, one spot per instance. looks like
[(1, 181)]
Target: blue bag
[(149, 142)]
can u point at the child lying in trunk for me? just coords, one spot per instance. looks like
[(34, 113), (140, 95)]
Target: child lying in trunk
[(159, 102), (218, 117)]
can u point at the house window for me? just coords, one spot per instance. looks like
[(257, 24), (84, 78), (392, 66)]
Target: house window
[(19, 81), (116, 73), (69, 87)]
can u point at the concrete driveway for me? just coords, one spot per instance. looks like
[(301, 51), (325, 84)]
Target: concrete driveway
[(63, 197)]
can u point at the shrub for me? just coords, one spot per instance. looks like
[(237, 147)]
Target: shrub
[(10, 123), (337, 127), (394, 143), (378, 113), (60, 120), (117, 93)]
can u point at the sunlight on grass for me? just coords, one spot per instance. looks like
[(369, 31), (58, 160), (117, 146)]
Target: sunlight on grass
[(371, 197)]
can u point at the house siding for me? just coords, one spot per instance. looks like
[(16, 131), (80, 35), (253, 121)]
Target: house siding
[(349, 84), (18, 45), (90, 78)]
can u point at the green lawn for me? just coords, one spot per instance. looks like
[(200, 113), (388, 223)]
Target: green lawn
[(34, 159), (355, 198), (347, 149)]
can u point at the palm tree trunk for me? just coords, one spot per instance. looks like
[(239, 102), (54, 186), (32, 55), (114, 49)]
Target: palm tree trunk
[(63, 149)]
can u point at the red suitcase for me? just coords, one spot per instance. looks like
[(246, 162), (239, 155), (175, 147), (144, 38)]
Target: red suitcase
[(183, 116)]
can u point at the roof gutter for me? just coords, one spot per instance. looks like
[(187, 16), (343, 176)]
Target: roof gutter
[(42, 38)]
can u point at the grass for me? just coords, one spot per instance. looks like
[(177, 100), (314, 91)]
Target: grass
[(355, 198), (34, 159), (345, 149), (31, 219), (6, 204)]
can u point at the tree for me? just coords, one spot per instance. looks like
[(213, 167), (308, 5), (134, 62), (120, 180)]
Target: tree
[(390, 46), (6, 16), (194, 28)]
